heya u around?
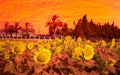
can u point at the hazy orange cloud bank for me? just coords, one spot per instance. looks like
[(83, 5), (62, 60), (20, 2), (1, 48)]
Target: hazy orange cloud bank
[(38, 11)]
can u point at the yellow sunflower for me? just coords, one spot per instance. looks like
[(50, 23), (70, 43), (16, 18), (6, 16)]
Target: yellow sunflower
[(42, 57), (10, 62), (112, 43), (94, 44), (67, 39), (88, 42), (6, 55), (79, 39), (19, 49), (54, 43), (12, 42), (50, 40), (2, 43), (1, 49), (88, 52), (103, 43), (111, 62), (118, 45), (40, 47), (77, 52), (58, 50), (57, 40), (47, 45), (30, 45), (7, 41)]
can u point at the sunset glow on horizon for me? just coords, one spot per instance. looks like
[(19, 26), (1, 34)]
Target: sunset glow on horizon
[(37, 11)]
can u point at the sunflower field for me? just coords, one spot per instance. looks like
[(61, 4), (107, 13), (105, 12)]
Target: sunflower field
[(59, 57)]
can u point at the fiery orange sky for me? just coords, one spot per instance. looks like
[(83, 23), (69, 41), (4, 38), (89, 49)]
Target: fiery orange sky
[(38, 11)]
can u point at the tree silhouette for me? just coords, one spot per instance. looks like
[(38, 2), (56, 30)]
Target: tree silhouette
[(83, 28), (78, 30), (64, 30), (11, 30), (92, 31), (5, 30), (84, 25), (88, 29), (17, 28), (27, 30), (54, 24)]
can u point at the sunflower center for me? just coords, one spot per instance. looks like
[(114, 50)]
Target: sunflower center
[(17, 50), (30, 46), (42, 57)]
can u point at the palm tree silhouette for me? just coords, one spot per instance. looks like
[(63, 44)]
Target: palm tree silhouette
[(27, 30), (17, 28), (10, 30), (5, 30), (54, 23)]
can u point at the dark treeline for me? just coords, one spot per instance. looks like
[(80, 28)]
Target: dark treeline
[(10, 29), (83, 28)]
